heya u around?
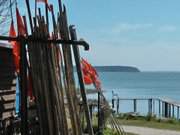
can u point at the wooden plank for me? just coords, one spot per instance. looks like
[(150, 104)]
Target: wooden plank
[(7, 92), (6, 86), (8, 97), (8, 101), (9, 110), (7, 75), (8, 114), (9, 105), (8, 81)]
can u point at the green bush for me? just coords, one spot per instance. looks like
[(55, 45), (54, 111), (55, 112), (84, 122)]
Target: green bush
[(108, 131), (172, 121), (149, 117)]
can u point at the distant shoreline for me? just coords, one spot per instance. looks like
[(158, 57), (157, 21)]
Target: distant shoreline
[(116, 69)]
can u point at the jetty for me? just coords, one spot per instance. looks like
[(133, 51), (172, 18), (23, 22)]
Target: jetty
[(161, 107)]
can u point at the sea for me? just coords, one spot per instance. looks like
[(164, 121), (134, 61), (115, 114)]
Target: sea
[(140, 84), (137, 85)]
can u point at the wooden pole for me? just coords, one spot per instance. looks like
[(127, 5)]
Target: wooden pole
[(169, 110), (81, 82), (11, 11), (153, 106), (29, 14), (47, 17), (60, 6), (35, 8), (23, 90), (178, 112), (61, 90), (113, 102), (163, 109), (166, 109), (118, 100), (68, 66), (172, 110), (159, 108), (150, 107)]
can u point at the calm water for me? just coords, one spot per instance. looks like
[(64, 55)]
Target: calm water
[(144, 84)]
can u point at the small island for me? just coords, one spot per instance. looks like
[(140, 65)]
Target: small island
[(116, 69)]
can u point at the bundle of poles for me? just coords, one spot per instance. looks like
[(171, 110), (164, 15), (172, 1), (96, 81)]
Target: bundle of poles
[(51, 67), (46, 59)]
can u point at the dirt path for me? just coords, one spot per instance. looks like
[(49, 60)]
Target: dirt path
[(149, 131)]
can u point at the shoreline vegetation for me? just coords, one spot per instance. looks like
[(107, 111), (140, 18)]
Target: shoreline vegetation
[(149, 121), (109, 131), (116, 69)]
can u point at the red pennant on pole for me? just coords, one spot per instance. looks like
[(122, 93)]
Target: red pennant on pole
[(16, 47), (90, 74)]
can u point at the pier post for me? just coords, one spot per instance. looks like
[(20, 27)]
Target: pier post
[(166, 109), (135, 105), (113, 102), (159, 108), (169, 108), (173, 111), (178, 112), (117, 110), (153, 110), (163, 109), (91, 110), (150, 107)]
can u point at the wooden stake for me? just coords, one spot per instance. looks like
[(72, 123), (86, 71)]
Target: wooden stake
[(23, 90), (81, 83), (29, 14)]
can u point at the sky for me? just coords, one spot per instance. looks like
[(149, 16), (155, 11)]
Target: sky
[(141, 33)]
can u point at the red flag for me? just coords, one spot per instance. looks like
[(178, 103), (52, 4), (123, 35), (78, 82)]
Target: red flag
[(45, 1), (90, 74), (86, 75), (16, 47), (90, 67), (20, 24), (87, 79)]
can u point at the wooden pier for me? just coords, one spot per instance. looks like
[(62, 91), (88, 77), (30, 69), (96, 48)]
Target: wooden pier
[(157, 106)]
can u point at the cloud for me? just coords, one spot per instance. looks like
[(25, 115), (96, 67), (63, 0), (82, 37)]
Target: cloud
[(167, 28), (127, 27)]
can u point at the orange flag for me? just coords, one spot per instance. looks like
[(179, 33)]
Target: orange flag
[(90, 74), (86, 76), (16, 47)]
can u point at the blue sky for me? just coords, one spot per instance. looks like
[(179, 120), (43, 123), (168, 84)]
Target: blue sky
[(142, 33)]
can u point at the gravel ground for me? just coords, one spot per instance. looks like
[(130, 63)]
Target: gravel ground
[(149, 131)]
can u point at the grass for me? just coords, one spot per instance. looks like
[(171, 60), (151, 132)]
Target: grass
[(109, 131), (151, 122)]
